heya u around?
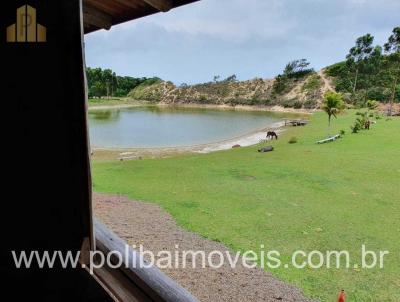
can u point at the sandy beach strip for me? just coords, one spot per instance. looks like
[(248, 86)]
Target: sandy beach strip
[(252, 138)]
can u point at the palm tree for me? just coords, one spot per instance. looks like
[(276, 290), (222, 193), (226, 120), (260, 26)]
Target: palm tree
[(333, 104)]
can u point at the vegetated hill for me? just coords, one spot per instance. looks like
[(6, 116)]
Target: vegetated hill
[(370, 72), (305, 91)]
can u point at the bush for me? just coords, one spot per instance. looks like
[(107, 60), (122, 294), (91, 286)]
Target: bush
[(313, 83), (203, 99), (355, 128), (342, 132), (292, 103), (280, 85), (297, 105), (310, 104), (293, 140), (359, 122)]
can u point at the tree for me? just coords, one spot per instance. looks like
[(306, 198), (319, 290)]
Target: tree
[(359, 54), (231, 78), (333, 104), (107, 83), (216, 78), (97, 90), (108, 79), (371, 69), (392, 47), (297, 68), (393, 43)]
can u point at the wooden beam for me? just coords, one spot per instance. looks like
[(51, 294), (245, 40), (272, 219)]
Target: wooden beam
[(92, 16), (161, 5), (153, 282), (128, 3)]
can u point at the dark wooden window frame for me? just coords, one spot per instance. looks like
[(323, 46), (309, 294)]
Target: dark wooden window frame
[(124, 284), (131, 282)]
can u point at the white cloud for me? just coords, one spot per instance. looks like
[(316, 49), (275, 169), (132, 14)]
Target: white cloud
[(247, 37)]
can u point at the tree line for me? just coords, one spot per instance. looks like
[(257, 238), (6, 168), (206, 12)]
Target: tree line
[(106, 83), (370, 72)]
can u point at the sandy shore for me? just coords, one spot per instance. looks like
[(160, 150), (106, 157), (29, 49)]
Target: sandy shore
[(245, 140), (248, 139), (117, 106)]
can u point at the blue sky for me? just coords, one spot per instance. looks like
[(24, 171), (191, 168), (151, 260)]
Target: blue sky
[(249, 38)]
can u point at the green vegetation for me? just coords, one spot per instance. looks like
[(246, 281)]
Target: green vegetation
[(105, 82), (297, 74), (302, 196), (332, 105), (94, 102), (150, 90), (293, 72), (368, 73)]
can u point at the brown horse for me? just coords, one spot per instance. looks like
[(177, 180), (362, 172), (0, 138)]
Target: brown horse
[(272, 134)]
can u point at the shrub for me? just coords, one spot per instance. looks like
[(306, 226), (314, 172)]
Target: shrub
[(359, 123), (293, 140), (297, 105), (310, 104), (292, 103), (342, 132), (355, 128), (203, 99), (313, 83)]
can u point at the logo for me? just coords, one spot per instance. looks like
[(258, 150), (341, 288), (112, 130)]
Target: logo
[(26, 29)]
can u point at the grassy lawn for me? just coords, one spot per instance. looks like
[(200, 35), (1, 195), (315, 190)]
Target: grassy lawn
[(302, 196), (109, 102)]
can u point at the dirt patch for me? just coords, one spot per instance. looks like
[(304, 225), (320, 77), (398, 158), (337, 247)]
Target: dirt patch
[(327, 81), (151, 226)]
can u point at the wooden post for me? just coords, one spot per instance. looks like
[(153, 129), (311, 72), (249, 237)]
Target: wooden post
[(45, 149)]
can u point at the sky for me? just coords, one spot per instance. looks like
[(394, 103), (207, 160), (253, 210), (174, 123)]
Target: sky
[(250, 38)]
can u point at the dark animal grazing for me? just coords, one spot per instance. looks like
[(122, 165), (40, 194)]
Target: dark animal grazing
[(272, 134), (266, 149), (236, 146)]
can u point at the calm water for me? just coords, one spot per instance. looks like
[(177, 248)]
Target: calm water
[(172, 126)]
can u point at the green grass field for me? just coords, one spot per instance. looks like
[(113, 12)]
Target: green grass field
[(302, 196), (108, 102)]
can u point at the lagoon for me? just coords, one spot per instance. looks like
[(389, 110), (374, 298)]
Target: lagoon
[(172, 126)]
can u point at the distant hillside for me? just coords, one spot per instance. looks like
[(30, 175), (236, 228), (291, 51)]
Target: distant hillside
[(305, 91), (370, 72)]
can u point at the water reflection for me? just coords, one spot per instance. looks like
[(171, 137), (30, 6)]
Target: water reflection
[(155, 126), (111, 115)]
